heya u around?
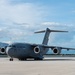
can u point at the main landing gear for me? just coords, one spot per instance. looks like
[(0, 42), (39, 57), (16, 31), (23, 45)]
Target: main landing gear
[(38, 58), (23, 59)]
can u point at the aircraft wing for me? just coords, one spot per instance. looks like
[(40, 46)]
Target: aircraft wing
[(58, 47), (46, 46)]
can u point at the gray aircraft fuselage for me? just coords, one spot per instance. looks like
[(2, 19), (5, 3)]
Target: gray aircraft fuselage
[(23, 50)]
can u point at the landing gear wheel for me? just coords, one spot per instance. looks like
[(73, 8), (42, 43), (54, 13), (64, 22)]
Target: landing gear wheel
[(38, 59), (23, 59), (11, 59)]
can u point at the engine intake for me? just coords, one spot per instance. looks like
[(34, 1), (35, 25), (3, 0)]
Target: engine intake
[(2, 50), (36, 50), (56, 50)]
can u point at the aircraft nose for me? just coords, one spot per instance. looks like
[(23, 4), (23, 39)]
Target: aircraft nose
[(10, 51), (7, 50)]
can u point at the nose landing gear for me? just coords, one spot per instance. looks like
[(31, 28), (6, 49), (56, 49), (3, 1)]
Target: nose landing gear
[(11, 59)]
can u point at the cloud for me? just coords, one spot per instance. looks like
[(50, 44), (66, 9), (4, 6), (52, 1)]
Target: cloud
[(51, 23), (19, 13), (18, 20), (56, 24)]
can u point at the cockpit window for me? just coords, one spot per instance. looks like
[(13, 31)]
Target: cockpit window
[(12, 46)]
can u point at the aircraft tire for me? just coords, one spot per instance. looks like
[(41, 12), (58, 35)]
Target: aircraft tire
[(11, 59), (38, 59), (22, 59)]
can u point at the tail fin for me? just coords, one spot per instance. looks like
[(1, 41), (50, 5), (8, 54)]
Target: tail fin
[(47, 32)]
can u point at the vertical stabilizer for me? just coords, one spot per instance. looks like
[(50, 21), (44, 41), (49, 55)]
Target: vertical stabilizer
[(47, 33), (46, 37)]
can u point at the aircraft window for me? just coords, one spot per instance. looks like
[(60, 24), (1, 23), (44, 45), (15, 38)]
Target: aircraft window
[(10, 45), (13, 46)]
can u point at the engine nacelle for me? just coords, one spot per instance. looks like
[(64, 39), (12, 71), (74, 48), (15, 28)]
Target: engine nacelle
[(37, 50), (56, 50), (2, 51)]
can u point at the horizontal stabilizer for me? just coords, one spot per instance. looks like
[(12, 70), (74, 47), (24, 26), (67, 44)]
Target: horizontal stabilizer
[(57, 31), (42, 31), (50, 31)]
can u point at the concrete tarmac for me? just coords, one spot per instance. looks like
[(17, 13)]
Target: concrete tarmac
[(49, 66)]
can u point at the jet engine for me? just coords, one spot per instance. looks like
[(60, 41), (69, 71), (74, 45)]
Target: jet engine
[(37, 50), (56, 50), (2, 50)]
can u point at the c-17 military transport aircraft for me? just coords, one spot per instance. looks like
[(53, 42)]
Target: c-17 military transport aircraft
[(22, 51)]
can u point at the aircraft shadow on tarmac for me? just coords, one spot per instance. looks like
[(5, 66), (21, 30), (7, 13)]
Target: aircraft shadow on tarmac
[(52, 60), (59, 60)]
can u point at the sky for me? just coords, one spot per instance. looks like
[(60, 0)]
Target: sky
[(19, 19)]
